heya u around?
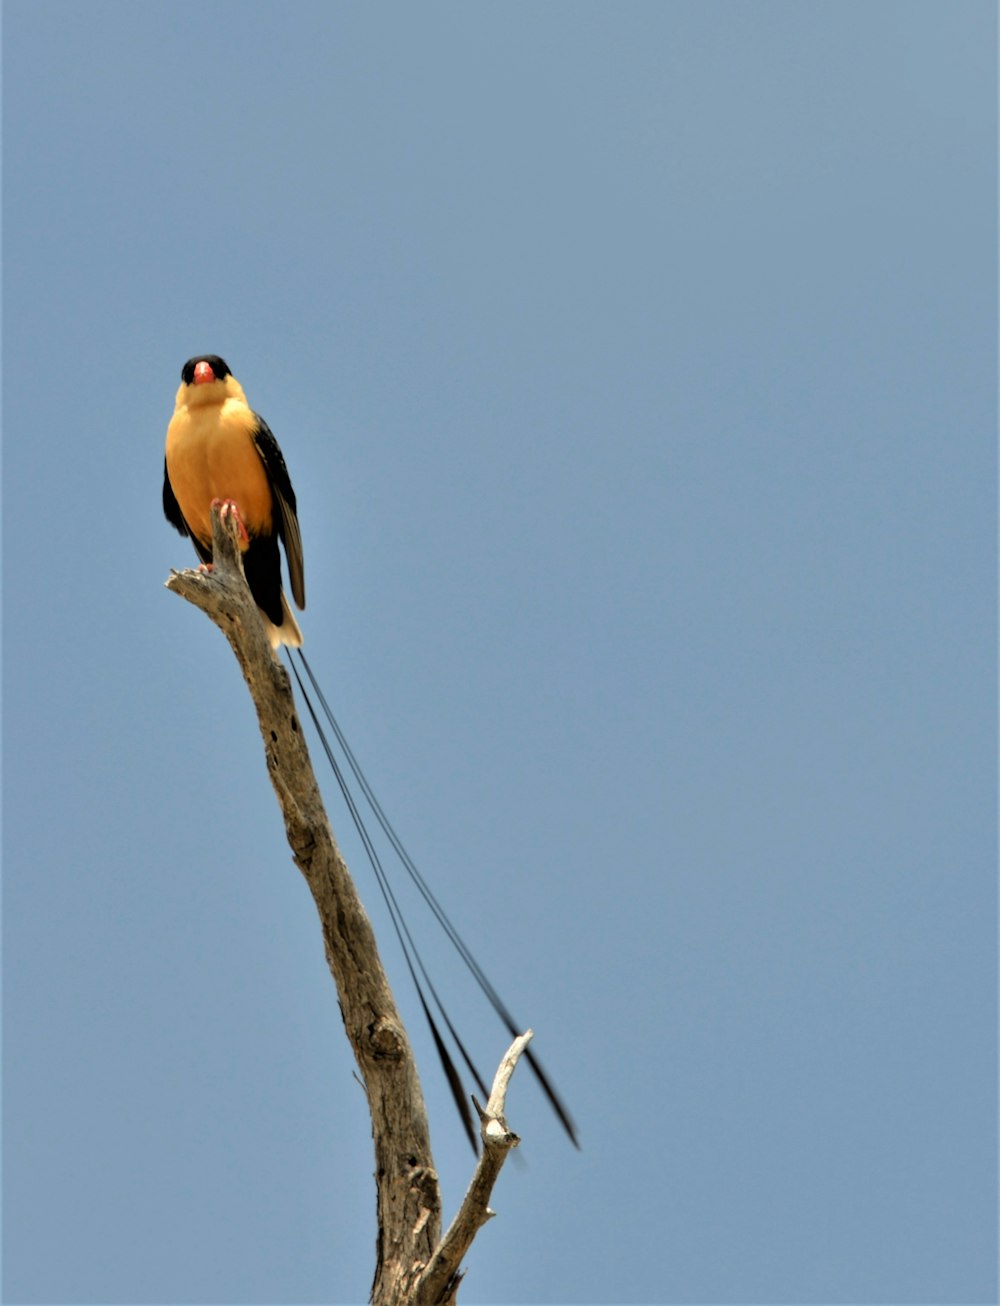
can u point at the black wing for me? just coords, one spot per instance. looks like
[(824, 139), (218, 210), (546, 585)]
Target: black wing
[(171, 508), (287, 522)]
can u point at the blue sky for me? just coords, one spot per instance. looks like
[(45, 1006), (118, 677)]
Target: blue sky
[(635, 368)]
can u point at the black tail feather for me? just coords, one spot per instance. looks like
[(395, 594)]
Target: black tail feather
[(453, 1078), (403, 933), (409, 949)]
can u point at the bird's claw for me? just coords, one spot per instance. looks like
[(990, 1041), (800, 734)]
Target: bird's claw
[(230, 508)]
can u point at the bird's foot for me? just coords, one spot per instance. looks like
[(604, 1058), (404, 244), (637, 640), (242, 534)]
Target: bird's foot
[(206, 567), (230, 508)]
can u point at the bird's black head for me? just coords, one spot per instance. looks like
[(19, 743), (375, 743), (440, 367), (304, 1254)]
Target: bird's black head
[(220, 368)]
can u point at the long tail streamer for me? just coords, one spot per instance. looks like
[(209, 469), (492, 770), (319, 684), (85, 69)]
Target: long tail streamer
[(414, 962)]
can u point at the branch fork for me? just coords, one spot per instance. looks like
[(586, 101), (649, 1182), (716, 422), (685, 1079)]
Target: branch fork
[(439, 1282)]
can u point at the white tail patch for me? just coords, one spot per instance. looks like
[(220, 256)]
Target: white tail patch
[(288, 632)]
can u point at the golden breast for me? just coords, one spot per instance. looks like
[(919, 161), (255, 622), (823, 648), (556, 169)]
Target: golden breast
[(211, 455)]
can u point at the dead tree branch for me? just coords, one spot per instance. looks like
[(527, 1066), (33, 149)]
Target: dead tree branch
[(414, 1267), (439, 1282), (408, 1195)]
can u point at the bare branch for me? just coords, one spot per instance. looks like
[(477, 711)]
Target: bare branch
[(413, 1267), (408, 1195), (439, 1282)]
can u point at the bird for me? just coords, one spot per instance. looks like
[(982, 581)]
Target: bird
[(220, 452)]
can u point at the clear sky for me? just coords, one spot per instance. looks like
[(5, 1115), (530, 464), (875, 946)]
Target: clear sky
[(635, 367)]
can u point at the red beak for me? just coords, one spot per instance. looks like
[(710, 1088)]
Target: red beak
[(203, 373)]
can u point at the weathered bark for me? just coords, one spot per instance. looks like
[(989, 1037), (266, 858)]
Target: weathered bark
[(408, 1196), (411, 1266)]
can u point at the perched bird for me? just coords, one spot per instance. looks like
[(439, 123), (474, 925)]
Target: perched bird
[(220, 451)]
